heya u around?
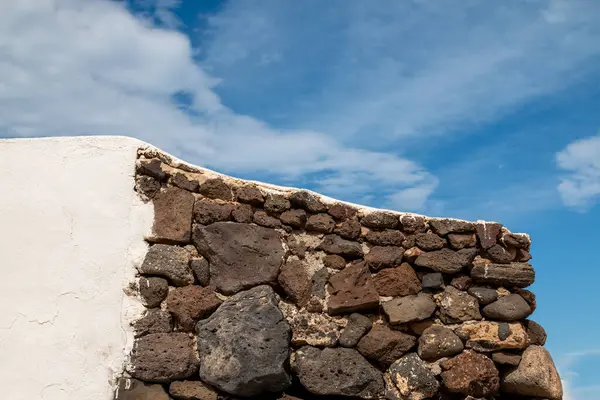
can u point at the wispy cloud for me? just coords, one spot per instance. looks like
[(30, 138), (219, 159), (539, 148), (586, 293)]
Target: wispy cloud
[(580, 161), (569, 365)]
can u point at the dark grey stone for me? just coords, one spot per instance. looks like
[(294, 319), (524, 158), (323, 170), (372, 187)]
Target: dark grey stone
[(483, 295), (358, 325), (437, 342), (170, 262), (434, 280), (508, 308)]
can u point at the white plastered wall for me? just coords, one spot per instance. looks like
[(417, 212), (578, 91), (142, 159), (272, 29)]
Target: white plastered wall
[(71, 235)]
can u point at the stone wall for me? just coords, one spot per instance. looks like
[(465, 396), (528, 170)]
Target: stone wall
[(270, 293)]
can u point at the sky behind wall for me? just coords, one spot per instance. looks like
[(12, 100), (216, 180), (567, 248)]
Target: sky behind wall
[(471, 109)]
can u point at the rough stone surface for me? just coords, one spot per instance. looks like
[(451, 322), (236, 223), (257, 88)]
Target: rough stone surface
[(208, 211), (172, 216), (132, 389), (313, 329), (535, 376), (471, 374), (190, 303), (483, 295), (429, 241), (276, 204), (253, 363), (445, 261), (437, 342), (487, 336), (384, 346), (251, 195), (513, 274), (341, 211), (412, 254), (294, 218), (399, 281), (263, 219), (147, 186), (352, 289), (334, 261), (308, 201), (386, 237), (242, 213), (488, 233), (528, 296), (409, 308), (384, 257), (413, 223), (296, 282), (444, 226), (337, 372), (153, 321), (170, 262), (462, 240), (535, 333), (409, 378), (434, 280), (518, 240), (183, 182), (153, 168), (462, 282), (333, 244), (380, 219), (240, 255), (457, 306), (322, 223), (358, 325), (216, 188), (162, 357), (506, 359), (191, 390), (500, 254), (201, 270), (153, 291), (508, 308), (349, 229)]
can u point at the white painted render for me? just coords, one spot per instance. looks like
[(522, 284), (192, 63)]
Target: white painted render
[(71, 235)]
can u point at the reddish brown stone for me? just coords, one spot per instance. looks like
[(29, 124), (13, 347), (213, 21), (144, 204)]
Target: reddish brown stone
[(216, 188), (351, 290), (506, 359), (250, 194), (153, 168), (519, 240), (462, 282), (413, 223), (501, 255), (471, 374), (523, 255), (191, 303), (333, 244), (208, 211), (307, 201), (183, 182), (153, 291), (462, 240), (384, 257), (445, 260), (410, 241), (341, 211), (263, 219), (276, 203), (536, 335), (294, 218), (488, 233), (242, 213), (322, 223), (412, 254), (153, 321), (163, 357), (399, 281), (387, 237), (380, 219), (334, 261), (191, 390), (132, 389), (444, 226), (172, 216), (349, 229), (513, 274), (296, 282), (384, 346), (429, 241)]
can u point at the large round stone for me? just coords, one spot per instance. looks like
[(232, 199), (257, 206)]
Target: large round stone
[(508, 308), (244, 345)]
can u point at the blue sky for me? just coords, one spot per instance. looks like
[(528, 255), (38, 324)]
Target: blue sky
[(472, 109)]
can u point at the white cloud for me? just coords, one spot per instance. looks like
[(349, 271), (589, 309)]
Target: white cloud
[(74, 67), (580, 161), (569, 365)]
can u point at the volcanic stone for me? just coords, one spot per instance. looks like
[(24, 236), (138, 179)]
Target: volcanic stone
[(147, 186), (207, 211), (216, 188), (409, 378), (337, 372), (296, 282), (433, 280), (486, 336), (308, 201), (506, 359), (191, 390), (170, 262), (153, 321), (172, 216), (334, 261), (457, 306), (471, 374), (508, 308), (409, 308), (444, 260), (240, 255), (153, 168), (462, 282), (153, 291), (358, 325), (528, 295), (251, 195), (341, 211), (518, 240), (163, 357), (276, 204), (313, 329), (254, 362), (412, 254), (380, 219), (333, 244), (319, 282), (349, 229), (294, 218), (501, 255), (460, 241), (536, 376), (384, 257), (488, 233), (399, 281), (437, 342), (413, 223), (351, 290), (132, 389), (513, 274), (483, 295), (535, 333), (384, 346), (201, 270), (429, 241), (183, 182), (263, 219), (445, 226), (190, 303), (242, 213), (323, 223), (387, 237)]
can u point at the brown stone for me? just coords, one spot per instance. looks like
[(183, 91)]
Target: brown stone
[(351, 290), (522, 255), (188, 304), (433, 280), (462, 240), (296, 282), (384, 257), (409, 308), (242, 213), (506, 359), (486, 336), (528, 295), (380, 219), (462, 282), (535, 333), (334, 261), (308, 201), (508, 308), (163, 357), (418, 327), (536, 376), (349, 229), (341, 211), (132, 389), (208, 211), (513, 274), (457, 306), (501, 255), (429, 241), (183, 182), (413, 223), (240, 255), (386, 237), (519, 240), (471, 374), (297, 247), (437, 342), (294, 218), (153, 291), (334, 244), (410, 241), (172, 216), (191, 390), (201, 270), (488, 233), (147, 186), (153, 321), (216, 188), (384, 346), (322, 223), (263, 219), (170, 262), (409, 378), (412, 254), (445, 260), (153, 168), (399, 281), (444, 226), (250, 194), (358, 325), (276, 203)]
